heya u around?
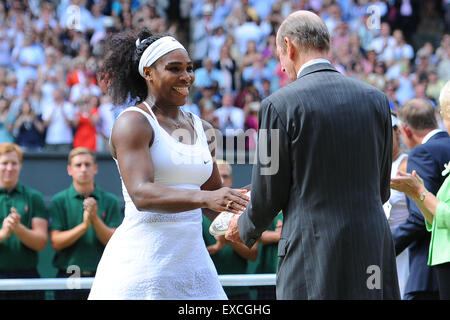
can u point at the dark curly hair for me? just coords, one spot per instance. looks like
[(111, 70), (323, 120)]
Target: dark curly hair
[(119, 69)]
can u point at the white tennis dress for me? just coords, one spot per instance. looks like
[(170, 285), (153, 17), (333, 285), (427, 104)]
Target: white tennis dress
[(162, 255)]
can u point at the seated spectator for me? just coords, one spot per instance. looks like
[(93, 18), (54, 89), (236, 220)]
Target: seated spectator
[(49, 83), (58, 118), (78, 72), (5, 121), (105, 123), (23, 224), (201, 33), (378, 78), (251, 54), (227, 65), (215, 43), (251, 110), (83, 219), (206, 75), (84, 88), (434, 86), (28, 93), (256, 72), (401, 52), (5, 47), (231, 118), (441, 51), (52, 65), (444, 67), (383, 41), (28, 57), (85, 121), (206, 103), (249, 30), (248, 93), (28, 129)]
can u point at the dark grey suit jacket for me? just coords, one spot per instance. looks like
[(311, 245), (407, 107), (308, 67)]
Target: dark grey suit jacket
[(331, 177)]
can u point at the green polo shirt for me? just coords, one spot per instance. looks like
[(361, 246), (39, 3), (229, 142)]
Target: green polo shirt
[(226, 261), (66, 212), (29, 203)]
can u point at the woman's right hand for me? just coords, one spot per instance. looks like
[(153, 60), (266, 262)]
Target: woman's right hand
[(410, 184), (227, 199)]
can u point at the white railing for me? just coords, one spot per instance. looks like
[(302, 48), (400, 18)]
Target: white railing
[(227, 280)]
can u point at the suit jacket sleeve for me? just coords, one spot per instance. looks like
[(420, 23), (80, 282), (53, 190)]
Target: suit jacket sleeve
[(271, 175), (414, 227), (386, 165)]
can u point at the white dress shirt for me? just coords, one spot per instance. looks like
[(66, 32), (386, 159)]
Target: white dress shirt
[(310, 63)]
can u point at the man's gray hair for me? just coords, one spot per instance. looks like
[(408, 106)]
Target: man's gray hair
[(418, 114), (305, 29)]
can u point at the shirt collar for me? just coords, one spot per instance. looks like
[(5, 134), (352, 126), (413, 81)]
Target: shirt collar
[(74, 193), (18, 188), (430, 134), (310, 63)]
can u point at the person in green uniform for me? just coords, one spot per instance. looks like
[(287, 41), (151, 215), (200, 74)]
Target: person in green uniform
[(23, 224), (83, 219), (267, 261), (229, 257)]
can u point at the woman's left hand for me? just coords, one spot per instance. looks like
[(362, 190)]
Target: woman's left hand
[(411, 184)]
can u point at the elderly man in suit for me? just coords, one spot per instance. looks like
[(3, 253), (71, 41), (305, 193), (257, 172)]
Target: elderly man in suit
[(430, 150), (330, 138)]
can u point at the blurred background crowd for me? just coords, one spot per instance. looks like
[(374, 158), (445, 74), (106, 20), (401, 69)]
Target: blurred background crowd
[(51, 100)]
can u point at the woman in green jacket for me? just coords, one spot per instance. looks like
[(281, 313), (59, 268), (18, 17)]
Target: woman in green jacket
[(435, 209)]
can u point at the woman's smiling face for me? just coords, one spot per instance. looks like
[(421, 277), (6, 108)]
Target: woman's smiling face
[(171, 77)]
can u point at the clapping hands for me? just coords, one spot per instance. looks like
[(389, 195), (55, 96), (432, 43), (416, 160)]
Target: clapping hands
[(10, 224)]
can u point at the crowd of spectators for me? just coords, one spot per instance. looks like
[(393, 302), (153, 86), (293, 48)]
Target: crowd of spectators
[(51, 100)]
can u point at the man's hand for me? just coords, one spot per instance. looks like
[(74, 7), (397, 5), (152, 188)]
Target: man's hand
[(90, 206), (14, 218), (219, 245), (233, 231)]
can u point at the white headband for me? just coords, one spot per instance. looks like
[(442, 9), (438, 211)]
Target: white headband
[(156, 50)]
